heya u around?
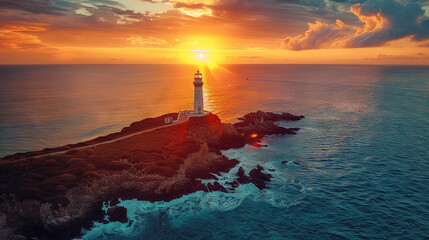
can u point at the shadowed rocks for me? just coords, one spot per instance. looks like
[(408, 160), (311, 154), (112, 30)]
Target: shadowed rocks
[(259, 178), (256, 176), (117, 214)]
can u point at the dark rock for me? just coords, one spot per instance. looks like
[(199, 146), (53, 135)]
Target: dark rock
[(222, 165), (200, 173), (269, 116), (215, 187), (242, 178), (114, 202), (215, 166), (259, 178), (284, 162), (230, 140), (117, 214), (296, 163), (233, 184)]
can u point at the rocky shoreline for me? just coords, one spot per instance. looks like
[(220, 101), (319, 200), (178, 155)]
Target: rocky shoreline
[(55, 196)]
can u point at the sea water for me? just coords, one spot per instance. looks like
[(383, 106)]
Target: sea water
[(357, 169)]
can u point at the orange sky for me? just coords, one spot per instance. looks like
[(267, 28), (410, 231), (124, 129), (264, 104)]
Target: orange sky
[(217, 31)]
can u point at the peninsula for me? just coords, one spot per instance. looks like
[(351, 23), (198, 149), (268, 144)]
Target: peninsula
[(54, 193)]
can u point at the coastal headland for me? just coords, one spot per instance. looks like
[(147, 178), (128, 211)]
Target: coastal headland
[(55, 192)]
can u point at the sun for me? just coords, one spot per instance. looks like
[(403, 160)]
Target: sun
[(201, 57)]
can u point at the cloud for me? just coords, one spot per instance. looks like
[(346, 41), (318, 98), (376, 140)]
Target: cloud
[(318, 35), (385, 21), (253, 18), (83, 11), (381, 21), (20, 37), (382, 56), (34, 6), (241, 24), (147, 42), (423, 34), (217, 24)]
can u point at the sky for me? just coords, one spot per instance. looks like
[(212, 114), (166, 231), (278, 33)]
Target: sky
[(214, 31)]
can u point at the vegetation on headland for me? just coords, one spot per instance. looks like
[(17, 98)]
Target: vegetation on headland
[(50, 195)]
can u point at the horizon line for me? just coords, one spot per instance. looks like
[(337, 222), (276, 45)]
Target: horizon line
[(336, 64)]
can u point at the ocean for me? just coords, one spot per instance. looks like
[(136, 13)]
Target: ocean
[(362, 151)]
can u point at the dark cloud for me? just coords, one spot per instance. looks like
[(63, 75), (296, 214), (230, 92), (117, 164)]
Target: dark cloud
[(423, 32), (34, 6), (127, 13), (382, 21), (402, 21), (105, 2), (269, 18)]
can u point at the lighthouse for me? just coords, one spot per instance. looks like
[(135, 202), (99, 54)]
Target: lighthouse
[(198, 94)]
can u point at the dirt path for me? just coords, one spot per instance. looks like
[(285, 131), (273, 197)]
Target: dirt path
[(182, 118)]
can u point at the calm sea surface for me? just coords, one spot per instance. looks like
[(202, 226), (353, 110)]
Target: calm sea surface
[(363, 146)]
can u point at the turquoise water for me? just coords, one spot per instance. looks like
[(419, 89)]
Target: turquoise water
[(362, 148)]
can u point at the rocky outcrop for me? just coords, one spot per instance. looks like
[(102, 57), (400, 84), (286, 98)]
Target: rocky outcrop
[(270, 116), (253, 127), (242, 177), (117, 214), (53, 197), (256, 176), (259, 178)]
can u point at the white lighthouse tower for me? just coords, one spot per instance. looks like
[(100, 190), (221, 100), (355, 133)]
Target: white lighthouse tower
[(198, 94)]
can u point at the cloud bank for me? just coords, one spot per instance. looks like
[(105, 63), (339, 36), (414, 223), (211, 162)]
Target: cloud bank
[(53, 27), (381, 21)]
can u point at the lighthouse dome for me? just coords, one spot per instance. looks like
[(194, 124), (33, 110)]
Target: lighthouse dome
[(198, 75)]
